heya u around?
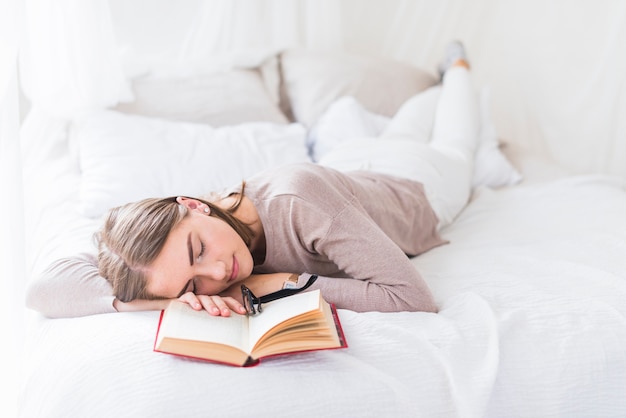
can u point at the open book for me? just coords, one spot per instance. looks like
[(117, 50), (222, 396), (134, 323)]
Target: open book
[(302, 322)]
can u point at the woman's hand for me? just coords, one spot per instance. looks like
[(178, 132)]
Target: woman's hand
[(230, 299), (215, 305)]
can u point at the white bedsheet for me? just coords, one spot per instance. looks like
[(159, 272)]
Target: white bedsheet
[(532, 324)]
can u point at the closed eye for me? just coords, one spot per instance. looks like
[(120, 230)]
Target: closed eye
[(190, 286), (201, 253)]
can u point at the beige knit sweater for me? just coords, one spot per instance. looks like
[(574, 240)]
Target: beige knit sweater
[(354, 230)]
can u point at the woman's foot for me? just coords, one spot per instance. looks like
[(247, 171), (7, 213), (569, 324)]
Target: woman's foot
[(454, 55)]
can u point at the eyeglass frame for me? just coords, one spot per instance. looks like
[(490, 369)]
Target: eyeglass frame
[(250, 299)]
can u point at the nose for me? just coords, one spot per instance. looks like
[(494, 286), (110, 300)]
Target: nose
[(213, 271), (210, 279)]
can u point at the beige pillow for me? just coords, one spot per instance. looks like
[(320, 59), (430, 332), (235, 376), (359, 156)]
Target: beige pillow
[(217, 99), (312, 80)]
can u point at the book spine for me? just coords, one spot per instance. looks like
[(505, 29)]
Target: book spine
[(251, 362), (156, 338), (342, 337)]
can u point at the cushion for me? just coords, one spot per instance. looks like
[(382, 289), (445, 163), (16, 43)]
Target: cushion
[(312, 80), (218, 98), (344, 120), (124, 158), (491, 166)]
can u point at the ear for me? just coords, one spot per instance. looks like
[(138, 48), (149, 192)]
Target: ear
[(193, 204)]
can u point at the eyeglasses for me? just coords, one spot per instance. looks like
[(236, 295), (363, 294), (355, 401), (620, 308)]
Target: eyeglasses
[(249, 301)]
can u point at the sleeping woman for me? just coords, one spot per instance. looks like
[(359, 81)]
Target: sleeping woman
[(346, 228)]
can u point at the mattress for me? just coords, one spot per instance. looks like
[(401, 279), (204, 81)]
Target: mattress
[(532, 322)]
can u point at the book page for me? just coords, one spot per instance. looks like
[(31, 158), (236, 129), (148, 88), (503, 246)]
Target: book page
[(183, 322), (280, 310)]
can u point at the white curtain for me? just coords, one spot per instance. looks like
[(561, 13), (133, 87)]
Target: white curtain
[(12, 269), (216, 34), (69, 61), (11, 220)]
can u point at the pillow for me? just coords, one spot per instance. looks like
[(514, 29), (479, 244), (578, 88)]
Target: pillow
[(124, 158), (491, 167), (346, 120), (217, 99), (312, 80)]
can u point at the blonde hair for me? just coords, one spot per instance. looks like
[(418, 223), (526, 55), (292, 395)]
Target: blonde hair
[(133, 235)]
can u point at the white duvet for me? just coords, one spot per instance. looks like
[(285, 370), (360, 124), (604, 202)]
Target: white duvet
[(532, 322)]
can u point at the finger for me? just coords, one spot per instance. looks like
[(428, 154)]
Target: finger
[(192, 300), (213, 305), (235, 305), (221, 305)]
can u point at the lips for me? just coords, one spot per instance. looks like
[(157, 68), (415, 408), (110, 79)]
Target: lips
[(235, 270)]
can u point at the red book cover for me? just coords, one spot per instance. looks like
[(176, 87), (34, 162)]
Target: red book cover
[(251, 361)]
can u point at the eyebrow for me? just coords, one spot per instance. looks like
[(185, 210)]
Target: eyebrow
[(190, 249)]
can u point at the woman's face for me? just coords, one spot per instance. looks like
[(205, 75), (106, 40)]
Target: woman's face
[(202, 254)]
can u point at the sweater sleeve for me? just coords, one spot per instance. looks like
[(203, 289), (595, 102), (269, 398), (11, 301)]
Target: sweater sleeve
[(70, 287), (381, 276)]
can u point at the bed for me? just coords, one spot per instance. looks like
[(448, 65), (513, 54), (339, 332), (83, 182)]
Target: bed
[(531, 287)]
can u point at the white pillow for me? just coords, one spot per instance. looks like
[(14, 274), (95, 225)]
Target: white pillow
[(491, 167), (217, 99), (346, 119), (125, 158)]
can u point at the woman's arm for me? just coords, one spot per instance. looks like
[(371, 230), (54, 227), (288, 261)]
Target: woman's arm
[(381, 277), (70, 287)]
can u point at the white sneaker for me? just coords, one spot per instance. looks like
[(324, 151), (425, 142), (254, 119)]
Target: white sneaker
[(454, 51)]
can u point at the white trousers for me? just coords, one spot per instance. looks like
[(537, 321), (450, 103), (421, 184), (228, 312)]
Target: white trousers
[(431, 139)]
